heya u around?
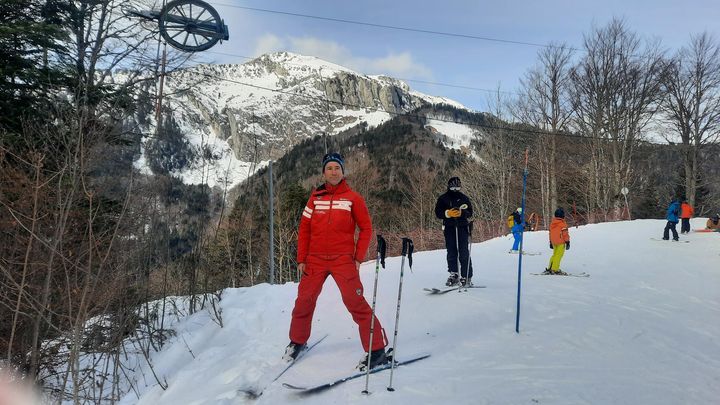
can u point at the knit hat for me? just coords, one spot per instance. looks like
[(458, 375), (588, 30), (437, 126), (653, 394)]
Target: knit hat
[(454, 183), (334, 157), (560, 213), (519, 210)]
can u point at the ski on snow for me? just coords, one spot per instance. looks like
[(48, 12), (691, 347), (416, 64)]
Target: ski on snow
[(323, 387), (583, 274), (525, 253), (255, 392), (437, 291), (666, 240)]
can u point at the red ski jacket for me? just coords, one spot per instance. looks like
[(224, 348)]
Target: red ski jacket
[(327, 226)]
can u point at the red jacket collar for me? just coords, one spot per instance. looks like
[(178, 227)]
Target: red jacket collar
[(328, 188)]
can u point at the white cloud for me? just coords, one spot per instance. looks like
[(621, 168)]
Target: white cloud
[(268, 43), (327, 50), (399, 65), (403, 64)]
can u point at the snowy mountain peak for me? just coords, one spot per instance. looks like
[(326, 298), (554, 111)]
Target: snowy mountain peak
[(391, 81), (301, 63), (253, 112)]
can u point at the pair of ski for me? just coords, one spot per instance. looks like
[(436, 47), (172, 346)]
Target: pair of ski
[(256, 392), (667, 240), (440, 291), (302, 391)]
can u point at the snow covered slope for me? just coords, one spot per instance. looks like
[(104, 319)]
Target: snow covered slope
[(643, 329)]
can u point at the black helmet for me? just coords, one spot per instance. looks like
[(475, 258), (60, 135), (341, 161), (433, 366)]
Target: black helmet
[(560, 213), (454, 182)]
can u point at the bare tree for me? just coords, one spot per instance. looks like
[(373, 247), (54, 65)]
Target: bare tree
[(420, 195), (491, 180), (69, 227), (616, 90), (546, 104), (491, 175), (692, 104)]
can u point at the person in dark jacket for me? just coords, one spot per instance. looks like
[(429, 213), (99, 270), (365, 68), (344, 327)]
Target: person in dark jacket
[(455, 209), (672, 216)]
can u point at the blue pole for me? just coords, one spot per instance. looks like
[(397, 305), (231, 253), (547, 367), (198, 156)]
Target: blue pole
[(522, 234)]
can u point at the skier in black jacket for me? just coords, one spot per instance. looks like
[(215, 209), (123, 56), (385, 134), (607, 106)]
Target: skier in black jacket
[(455, 208)]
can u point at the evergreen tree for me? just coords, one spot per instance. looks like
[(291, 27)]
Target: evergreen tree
[(31, 35)]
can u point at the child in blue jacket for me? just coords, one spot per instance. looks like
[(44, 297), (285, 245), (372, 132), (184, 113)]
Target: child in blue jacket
[(517, 230), (672, 216)]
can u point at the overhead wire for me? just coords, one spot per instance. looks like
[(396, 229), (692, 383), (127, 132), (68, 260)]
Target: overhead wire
[(418, 30), (391, 27), (396, 28), (411, 29)]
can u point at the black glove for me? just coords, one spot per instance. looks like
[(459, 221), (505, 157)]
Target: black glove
[(567, 245), (551, 245)]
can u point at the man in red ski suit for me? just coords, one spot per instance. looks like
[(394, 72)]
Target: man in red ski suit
[(327, 247)]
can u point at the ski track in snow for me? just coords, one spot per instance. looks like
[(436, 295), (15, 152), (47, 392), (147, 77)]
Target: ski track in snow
[(643, 329)]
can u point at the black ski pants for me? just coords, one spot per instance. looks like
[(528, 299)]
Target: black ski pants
[(685, 227), (670, 227), (452, 240)]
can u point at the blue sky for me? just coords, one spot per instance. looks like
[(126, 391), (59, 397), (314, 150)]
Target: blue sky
[(421, 57)]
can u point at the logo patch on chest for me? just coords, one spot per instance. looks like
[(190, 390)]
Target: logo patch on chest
[(344, 205)]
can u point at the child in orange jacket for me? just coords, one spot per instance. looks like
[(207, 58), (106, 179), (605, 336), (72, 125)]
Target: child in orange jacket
[(559, 241), (686, 212)]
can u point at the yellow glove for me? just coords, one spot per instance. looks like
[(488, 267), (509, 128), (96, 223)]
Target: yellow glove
[(453, 213)]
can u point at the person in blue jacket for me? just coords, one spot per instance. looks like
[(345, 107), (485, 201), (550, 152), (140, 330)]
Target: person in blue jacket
[(672, 216), (517, 230)]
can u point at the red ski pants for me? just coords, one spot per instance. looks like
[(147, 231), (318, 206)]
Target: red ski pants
[(347, 278)]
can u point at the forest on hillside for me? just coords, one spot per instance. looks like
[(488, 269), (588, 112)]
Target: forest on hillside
[(85, 234), (402, 166)]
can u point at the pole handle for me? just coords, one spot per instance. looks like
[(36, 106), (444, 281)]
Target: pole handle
[(381, 249)]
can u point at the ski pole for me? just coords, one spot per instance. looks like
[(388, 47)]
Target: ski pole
[(381, 249), (457, 248), (457, 251), (407, 249), (520, 256), (470, 231)]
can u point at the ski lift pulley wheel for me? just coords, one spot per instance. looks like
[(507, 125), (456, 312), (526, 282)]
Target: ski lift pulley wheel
[(191, 25)]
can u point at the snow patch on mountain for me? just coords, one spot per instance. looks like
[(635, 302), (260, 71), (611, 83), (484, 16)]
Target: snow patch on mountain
[(458, 136)]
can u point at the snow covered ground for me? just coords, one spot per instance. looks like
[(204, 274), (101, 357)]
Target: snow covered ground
[(644, 328)]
